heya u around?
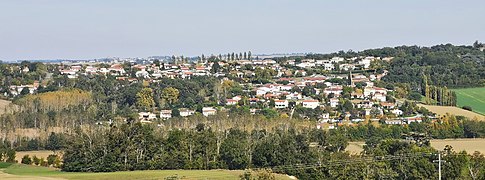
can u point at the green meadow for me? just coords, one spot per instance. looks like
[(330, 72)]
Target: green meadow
[(473, 97), (20, 171)]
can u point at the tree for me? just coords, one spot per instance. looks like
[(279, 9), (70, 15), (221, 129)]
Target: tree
[(156, 62), (26, 160), (476, 44), (11, 156), (25, 91), (215, 67), (476, 166), (55, 142), (415, 96), (233, 148), (51, 159), (269, 113), (170, 95), (144, 99), (347, 106)]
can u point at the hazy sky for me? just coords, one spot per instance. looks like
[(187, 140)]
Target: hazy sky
[(86, 29)]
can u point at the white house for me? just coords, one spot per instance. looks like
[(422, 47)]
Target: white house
[(366, 62), (91, 70), (311, 103), (337, 90), (117, 68), (414, 119), (262, 91), (337, 59), (394, 122), (230, 102), (281, 104), (143, 74), (208, 111), (347, 67), (294, 96), (379, 97), (146, 116), (369, 91), (397, 112), (306, 65), (166, 114), (184, 112)]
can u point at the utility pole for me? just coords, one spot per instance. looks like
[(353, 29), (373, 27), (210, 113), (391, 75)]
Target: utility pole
[(439, 165)]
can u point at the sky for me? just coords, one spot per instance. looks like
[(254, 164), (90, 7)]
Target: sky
[(88, 29)]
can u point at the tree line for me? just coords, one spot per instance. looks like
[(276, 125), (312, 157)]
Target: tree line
[(437, 95), (135, 146)]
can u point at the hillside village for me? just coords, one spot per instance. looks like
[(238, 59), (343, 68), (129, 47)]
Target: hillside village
[(334, 92)]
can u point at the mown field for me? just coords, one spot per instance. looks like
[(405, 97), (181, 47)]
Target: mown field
[(443, 110), (20, 171), (40, 154), (468, 145), (473, 97)]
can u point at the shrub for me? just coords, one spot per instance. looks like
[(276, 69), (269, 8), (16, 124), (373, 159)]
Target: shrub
[(11, 156), (468, 108), (43, 162), (36, 160), (26, 160), (54, 160)]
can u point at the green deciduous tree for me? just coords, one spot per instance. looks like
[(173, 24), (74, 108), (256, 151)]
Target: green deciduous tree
[(144, 99), (170, 95)]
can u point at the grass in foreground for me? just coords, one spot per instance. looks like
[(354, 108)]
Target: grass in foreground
[(26, 170), (4, 165), (473, 97)]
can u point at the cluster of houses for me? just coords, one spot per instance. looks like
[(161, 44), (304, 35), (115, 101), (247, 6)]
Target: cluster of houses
[(16, 90), (234, 68), (167, 114), (370, 99)]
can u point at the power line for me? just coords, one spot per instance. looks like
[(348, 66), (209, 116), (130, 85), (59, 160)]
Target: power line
[(351, 161), (386, 158)]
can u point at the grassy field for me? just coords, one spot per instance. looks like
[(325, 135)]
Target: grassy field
[(442, 110), (473, 97), (21, 171), (468, 145), (39, 154), (355, 147)]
